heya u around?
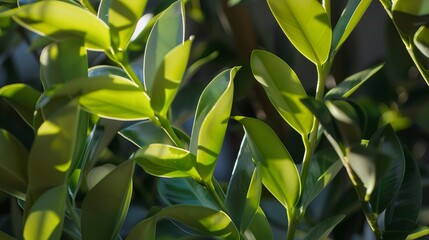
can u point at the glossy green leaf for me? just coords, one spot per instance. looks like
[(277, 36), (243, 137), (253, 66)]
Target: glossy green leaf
[(106, 70), (298, 20), (211, 120), (421, 40), (401, 215), (386, 141), (111, 97), (144, 133), (283, 88), (144, 230), (123, 17), (352, 83), (51, 155), (321, 112), (184, 191), (324, 228), (168, 77), (22, 98), (244, 189), (369, 165), (106, 204), (167, 161), (166, 34), (13, 165), (347, 121), (62, 62), (259, 228), (323, 168), (350, 17), (419, 233), (279, 173), (60, 21), (46, 217), (414, 7)]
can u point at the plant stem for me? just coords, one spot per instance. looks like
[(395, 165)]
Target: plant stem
[(73, 215), (293, 219), (210, 187), (371, 218), (170, 131)]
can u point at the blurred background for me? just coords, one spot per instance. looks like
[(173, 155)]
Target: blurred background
[(225, 33)]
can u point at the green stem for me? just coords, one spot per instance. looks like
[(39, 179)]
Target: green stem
[(293, 219), (73, 215), (210, 187), (371, 218), (170, 131), (121, 58)]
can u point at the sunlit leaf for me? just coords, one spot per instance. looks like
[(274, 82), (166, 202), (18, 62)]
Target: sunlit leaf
[(401, 215), (46, 217), (244, 189), (13, 165), (307, 26), (386, 141), (60, 21), (166, 34), (419, 233), (279, 173), (168, 77), (166, 161), (284, 89), (350, 17), (211, 120), (421, 39), (22, 98), (324, 228), (352, 83), (106, 204), (259, 228)]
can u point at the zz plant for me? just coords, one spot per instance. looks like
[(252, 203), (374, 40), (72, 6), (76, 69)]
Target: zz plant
[(65, 193)]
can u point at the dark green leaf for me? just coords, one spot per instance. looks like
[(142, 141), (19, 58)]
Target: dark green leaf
[(166, 34), (352, 83), (64, 21), (244, 189), (184, 191), (211, 120), (106, 204), (347, 121), (259, 228), (284, 89), (5, 236), (298, 20), (421, 40), (401, 215), (22, 98), (144, 230), (279, 173), (322, 114), (386, 142), (144, 133), (105, 70), (323, 229), (13, 165)]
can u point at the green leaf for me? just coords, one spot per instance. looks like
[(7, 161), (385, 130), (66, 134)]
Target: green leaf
[(324, 167), (352, 83), (421, 40), (106, 70), (5, 236), (244, 189), (323, 229), (167, 161), (211, 120), (322, 114), (13, 165), (350, 17), (279, 173), (123, 17), (418, 233), (298, 20), (46, 217), (401, 215), (144, 230), (369, 165), (259, 228), (52, 153), (386, 141), (106, 204), (111, 97), (144, 133), (166, 34), (184, 191), (59, 20), (62, 62), (22, 98), (283, 88), (168, 77), (414, 7)]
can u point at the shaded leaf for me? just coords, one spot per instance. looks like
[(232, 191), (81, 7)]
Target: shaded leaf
[(22, 98), (13, 165), (106, 70), (284, 89), (144, 230), (144, 133), (352, 83), (5, 236), (166, 34), (386, 141), (211, 120), (322, 114), (421, 40), (244, 189), (60, 21), (167, 161), (259, 228), (324, 228), (298, 20), (347, 121), (46, 217), (279, 173), (106, 204)]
